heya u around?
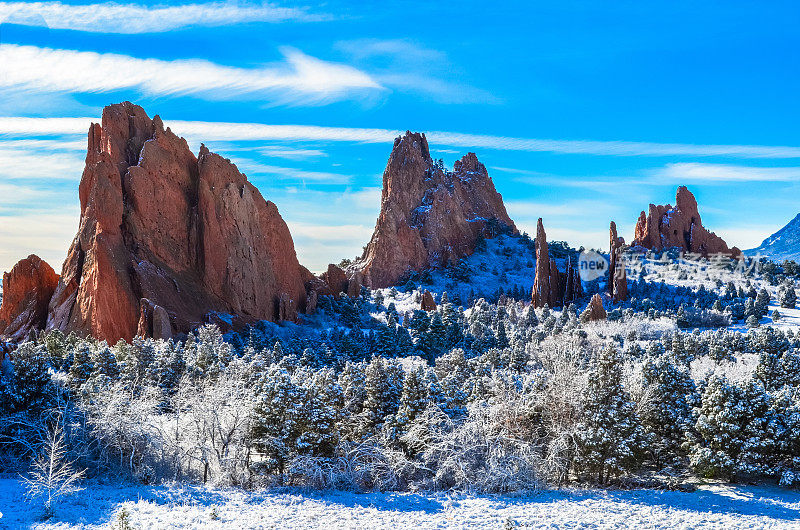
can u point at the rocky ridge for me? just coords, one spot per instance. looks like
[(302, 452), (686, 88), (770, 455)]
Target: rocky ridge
[(429, 217), (665, 227), (169, 240)]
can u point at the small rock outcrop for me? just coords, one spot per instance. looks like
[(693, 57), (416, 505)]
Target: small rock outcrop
[(427, 303), (27, 290), (336, 280), (167, 238), (665, 227), (595, 310), (617, 276), (552, 287), (429, 217), (311, 302), (354, 284)]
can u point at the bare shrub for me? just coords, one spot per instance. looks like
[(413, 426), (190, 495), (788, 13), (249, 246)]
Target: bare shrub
[(53, 474)]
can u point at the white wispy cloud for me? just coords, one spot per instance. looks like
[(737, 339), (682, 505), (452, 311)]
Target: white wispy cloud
[(407, 66), (131, 18), (298, 79), (720, 173), (291, 153), (198, 131), (39, 164), (44, 233), (253, 168), (332, 234)]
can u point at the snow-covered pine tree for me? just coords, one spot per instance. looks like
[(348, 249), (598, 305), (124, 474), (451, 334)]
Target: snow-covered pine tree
[(667, 416), (383, 385), (762, 303), (274, 428), (453, 371), (414, 399), (609, 439), (105, 363), (733, 430), (319, 414), (25, 383), (82, 367), (789, 297)]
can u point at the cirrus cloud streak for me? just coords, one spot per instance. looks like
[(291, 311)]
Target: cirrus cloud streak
[(132, 19), (298, 79)]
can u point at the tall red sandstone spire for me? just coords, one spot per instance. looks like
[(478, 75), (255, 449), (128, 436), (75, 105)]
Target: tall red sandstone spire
[(552, 287), (617, 276), (541, 282)]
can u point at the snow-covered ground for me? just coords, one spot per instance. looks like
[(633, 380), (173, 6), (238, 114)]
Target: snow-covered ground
[(98, 506)]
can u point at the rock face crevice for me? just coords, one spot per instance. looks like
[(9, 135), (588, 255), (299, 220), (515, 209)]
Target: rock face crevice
[(665, 227), (167, 235), (429, 217)]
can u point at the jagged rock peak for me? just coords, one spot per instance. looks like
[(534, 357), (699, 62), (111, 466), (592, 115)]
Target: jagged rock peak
[(552, 287), (665, 227), (429, 217), (26, 292), (168, 240), (595, 310), (617, 275)]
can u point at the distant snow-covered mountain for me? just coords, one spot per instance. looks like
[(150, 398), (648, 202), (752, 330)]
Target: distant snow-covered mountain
[(782, 245)]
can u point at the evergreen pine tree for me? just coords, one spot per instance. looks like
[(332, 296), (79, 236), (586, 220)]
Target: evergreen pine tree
[(762, 303), (354, 393), (25, 382), (668, 415), (414, 398), (732, 432), (82, 367), (383, 384), (789, 298), (274, 428), (453, 371), (501, 339), (319, 414), (105, 363), (609, 439)]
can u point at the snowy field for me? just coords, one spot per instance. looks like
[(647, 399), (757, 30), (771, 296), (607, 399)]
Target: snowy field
[(188, 507)]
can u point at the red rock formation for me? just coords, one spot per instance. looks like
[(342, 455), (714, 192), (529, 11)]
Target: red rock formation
[(429, 217), (595, 310), (550, 286), (665, 227), (427, 303), (336, 280), (161, 228), (27, 289), (154, 321), (354, 284), (618, 279), (311, 302), (541, 283), (573, 289)]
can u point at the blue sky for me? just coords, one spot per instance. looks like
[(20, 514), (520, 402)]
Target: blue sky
[(583, 112)]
